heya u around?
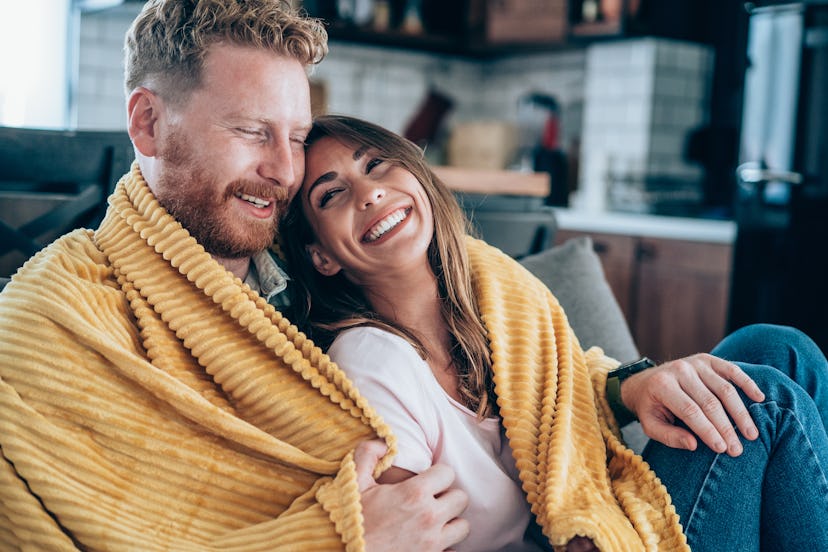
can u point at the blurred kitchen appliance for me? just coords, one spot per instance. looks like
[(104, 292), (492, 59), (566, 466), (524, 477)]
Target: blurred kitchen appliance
[(539, 143), (426, 121), (781, 204)]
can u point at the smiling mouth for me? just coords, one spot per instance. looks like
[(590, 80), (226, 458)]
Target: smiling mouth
[(386, 225), (253, 200)]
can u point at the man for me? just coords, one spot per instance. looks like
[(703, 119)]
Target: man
[(152, 397), (126, 425)]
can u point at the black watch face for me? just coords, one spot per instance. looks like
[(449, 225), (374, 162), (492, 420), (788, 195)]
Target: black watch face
[(626, 370)]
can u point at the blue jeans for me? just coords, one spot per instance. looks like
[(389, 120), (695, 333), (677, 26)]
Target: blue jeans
[(774, 496)]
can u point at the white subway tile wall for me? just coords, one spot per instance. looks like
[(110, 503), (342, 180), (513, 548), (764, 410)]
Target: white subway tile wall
[(386, 86), (642, 98)]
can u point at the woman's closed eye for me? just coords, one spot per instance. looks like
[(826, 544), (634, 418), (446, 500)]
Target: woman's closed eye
[(327, 195), (372, 164)]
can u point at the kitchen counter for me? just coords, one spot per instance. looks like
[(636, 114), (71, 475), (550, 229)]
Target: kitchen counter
[(535, 186), (656, 226), (487, 181)]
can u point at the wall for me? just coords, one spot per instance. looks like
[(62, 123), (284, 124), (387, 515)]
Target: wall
[(386, 86), (643, 98)]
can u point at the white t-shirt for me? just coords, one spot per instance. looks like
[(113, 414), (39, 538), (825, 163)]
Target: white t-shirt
[(433, 428)]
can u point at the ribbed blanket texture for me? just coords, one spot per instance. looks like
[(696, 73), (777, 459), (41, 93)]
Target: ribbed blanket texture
[(149, 400)]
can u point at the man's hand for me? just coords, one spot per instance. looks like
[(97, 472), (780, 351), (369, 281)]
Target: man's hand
[(419, 513), (699, 390)]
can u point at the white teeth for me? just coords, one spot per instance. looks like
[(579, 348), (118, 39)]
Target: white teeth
[(253, 200), (385, 225)]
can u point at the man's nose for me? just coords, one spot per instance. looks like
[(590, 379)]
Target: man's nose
[(283, 164)]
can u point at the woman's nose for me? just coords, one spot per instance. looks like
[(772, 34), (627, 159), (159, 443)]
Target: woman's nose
[(371, 195)]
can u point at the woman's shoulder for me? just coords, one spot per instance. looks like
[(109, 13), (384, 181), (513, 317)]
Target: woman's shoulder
[(367, 348), (387, 370), (371, 336)]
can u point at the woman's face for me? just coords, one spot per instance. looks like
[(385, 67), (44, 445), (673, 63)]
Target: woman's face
[(372, 218)]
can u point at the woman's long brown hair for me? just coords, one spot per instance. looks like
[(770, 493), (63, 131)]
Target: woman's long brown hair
[(325, 305)]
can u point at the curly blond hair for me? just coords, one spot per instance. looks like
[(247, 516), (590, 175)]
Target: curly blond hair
[(167, 43)]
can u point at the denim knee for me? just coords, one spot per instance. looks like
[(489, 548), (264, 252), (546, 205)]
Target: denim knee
[(771, 345), (782, 390)]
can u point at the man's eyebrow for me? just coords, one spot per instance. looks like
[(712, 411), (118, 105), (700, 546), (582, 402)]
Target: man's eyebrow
[(327, 177)]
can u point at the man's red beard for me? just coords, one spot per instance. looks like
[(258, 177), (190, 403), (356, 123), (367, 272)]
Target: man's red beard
[(187, 192)]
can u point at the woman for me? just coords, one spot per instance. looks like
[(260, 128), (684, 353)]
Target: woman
[(471, 362)]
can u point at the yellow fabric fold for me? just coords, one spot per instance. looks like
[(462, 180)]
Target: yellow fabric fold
[(578, 475), (149, 400)]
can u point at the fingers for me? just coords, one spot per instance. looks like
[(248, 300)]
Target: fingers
[(702, 392), (742, 380), (447, 506), (723, 386), (419, 514), (433, 481), (455, 532), (366, 456), (661, 427), (705, 411)]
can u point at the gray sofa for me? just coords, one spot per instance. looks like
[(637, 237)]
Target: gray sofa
[(574, 273)]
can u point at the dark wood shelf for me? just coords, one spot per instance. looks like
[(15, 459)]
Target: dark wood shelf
[(597, 29), (458, 45)]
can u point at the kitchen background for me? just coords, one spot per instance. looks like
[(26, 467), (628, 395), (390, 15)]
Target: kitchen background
[(623, 108), (632, 108)]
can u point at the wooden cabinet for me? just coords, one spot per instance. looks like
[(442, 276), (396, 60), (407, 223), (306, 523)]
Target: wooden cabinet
[(673, 293), (494, 28), (468, 28)]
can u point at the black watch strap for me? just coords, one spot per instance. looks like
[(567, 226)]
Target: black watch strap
[(626, 370)]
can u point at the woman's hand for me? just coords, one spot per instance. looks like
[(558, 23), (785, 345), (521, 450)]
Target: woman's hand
[(699, 390)]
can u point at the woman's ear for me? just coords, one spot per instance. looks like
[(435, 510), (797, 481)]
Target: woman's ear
[(321, 262)]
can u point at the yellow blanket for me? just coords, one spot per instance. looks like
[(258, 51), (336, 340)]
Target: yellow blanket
[(149, 400)]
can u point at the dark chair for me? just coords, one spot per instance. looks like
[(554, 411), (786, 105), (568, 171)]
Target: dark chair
[(517, 225), (53, 181)]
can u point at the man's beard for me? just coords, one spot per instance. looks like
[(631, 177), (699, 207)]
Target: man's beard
[(189, 194)]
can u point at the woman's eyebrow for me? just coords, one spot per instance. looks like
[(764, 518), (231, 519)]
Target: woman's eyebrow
[(360, 152), (327, 177)]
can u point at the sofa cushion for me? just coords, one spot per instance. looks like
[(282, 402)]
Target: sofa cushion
[(574, 273)]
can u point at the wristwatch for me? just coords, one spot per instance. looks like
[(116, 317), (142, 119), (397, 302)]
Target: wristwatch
[(614, 378), (626, 370)]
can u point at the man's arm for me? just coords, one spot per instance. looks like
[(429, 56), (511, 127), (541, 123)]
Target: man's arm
[(417, 514), (699, 390)]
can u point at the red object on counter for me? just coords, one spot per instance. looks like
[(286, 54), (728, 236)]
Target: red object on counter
[(551, 133)]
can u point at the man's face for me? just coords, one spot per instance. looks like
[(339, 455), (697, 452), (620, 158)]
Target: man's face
[(233, 153)]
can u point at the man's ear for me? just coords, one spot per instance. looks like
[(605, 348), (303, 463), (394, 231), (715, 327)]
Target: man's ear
[(144, 110), (321, 262)]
